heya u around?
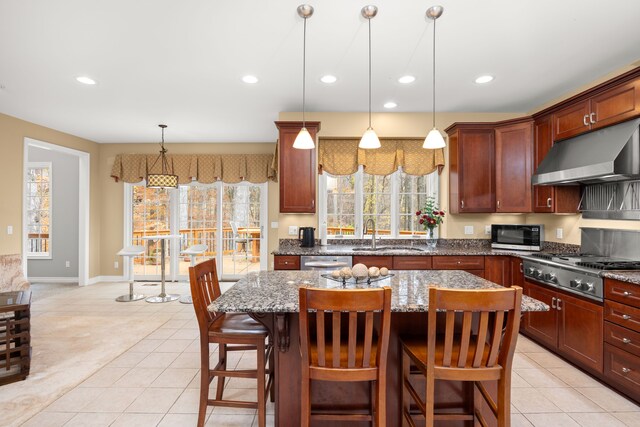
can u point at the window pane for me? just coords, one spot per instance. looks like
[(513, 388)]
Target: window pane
[(414, 191), (340, 204)]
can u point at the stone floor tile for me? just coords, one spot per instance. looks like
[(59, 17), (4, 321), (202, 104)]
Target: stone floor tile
[(49, 419), (155, 401)]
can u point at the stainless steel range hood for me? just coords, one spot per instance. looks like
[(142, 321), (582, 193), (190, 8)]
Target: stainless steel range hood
[(609, 154)]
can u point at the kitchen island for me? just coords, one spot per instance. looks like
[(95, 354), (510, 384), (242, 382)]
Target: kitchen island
[(271, 297)]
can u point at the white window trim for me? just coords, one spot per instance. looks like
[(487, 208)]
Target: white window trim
[(49, 166), (434, 183)]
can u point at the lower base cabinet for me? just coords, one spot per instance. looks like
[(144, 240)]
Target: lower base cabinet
[(573, 327)]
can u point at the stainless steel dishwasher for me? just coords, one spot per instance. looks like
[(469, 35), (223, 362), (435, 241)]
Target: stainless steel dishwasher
[(324, 262)]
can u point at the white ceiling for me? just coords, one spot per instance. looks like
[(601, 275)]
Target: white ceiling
[(181, 62)]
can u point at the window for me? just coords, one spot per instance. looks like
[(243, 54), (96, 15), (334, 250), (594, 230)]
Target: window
[(391, 201), (38, 187)]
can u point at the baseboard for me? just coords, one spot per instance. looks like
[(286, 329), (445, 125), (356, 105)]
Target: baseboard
[(53, 279), (98, 279)]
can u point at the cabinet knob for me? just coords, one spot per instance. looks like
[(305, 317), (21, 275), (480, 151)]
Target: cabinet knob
[(626, 341), (286, 262), (549, 202), (591, 119), (584, 120), (626, 317), (626, 370), (626, 293)]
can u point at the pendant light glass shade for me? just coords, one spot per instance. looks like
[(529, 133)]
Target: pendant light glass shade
[(164, 179), (369, 139), (304, 141), (434, 140)]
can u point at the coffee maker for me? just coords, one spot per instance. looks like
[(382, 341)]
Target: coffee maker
[(307, 237)]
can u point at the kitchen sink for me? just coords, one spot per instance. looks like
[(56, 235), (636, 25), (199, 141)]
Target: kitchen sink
[(387, 249)]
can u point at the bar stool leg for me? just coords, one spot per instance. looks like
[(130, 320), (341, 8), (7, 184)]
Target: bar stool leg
[(188, 299), (131, 296)]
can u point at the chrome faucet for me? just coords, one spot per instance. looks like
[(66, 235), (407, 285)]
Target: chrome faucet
[(373, 231)]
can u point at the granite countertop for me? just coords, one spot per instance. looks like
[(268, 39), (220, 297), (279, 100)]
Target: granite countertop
[(417, 250), (277, 291), (625, 276)]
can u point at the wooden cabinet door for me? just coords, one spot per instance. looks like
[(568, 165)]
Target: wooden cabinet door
[(615, 105), (374, 261), (543, 325), (543, 195), (297, 169), (476, 174), (580, 331), (513, 167), (571, 120), (412, 263), (517, 272), (498, 269)]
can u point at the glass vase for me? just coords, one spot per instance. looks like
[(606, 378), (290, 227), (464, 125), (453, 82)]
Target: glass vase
[(431, 239)]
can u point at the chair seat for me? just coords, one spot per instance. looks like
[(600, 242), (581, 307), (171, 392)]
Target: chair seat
[(416, 348), (131, 251), (236, 323)]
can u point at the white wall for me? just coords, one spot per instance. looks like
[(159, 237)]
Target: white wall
[(65, 215)]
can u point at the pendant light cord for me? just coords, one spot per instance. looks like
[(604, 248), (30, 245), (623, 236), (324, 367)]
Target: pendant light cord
[(304, 70), (434, 73), (369, 73)]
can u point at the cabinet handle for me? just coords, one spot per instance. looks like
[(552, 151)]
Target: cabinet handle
[(626, 293), (462, 204), (591, 119), (584, 120), (313, 203), (559, 306), (625, 370), (549, 202), (553, 302), (498, 204), (626, 317), (626, 341), (521, 271)]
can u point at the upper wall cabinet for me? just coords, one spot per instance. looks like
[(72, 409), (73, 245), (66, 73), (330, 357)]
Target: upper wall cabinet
[(490, 166), (471, 168), (608, 107), (547, 198), (297, 169), (514, 164)]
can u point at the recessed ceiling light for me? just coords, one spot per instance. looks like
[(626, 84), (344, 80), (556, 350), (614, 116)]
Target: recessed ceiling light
[(250, 79), (86, 80), (484, 79), (390, 104), (407, 79), (328, 79)]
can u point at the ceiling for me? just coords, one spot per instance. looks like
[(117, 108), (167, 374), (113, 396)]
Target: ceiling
[(181, 62)]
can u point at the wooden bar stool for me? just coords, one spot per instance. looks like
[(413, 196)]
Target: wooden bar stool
[(481, 350), (232, 332), (328, 355)]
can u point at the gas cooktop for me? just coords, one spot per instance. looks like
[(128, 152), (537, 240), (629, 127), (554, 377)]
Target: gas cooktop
[(596, 262)]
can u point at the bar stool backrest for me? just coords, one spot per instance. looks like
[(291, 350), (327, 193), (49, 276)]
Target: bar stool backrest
[(205, 289), (357, 307), (482, 340)]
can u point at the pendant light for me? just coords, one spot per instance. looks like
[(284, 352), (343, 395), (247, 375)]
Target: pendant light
[(163, 179), (434, 139), (369, 138), (304, 141)]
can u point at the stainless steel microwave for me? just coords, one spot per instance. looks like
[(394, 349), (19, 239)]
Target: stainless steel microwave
[(524, 237)]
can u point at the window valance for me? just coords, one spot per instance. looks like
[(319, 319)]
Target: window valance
[(342, 157), (204, 168)]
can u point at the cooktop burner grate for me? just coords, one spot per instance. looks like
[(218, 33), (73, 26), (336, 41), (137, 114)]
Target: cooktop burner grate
[(611, 265)]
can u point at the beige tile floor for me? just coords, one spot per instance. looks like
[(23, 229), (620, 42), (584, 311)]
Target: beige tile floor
[(155, 382)]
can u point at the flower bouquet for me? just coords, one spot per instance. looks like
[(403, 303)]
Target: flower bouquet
[(430, 217)]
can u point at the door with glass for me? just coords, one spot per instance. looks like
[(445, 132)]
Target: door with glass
[(227, 218)]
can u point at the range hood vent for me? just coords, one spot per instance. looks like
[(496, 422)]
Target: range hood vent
[(609, 154)]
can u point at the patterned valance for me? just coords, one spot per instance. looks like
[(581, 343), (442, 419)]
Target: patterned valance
[(342, 157), (204, 168)]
